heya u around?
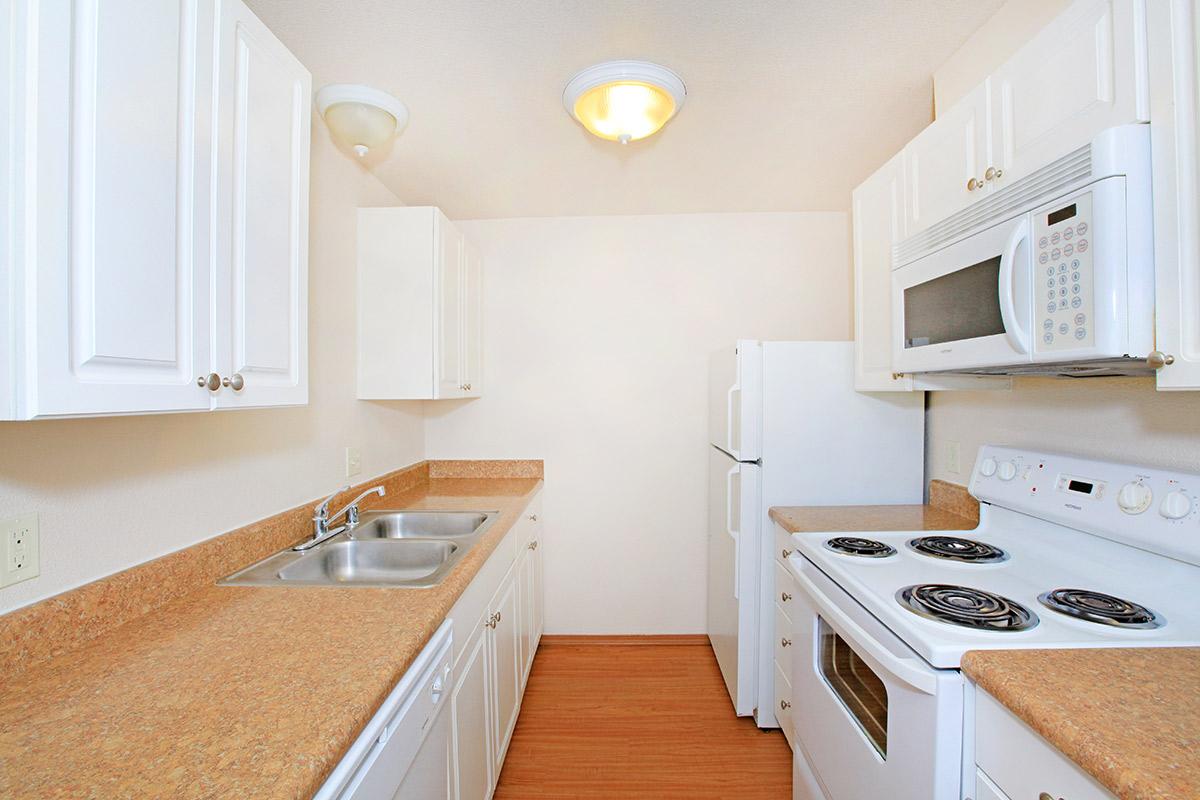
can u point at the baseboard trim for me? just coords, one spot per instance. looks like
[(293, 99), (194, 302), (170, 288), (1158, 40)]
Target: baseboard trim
[(658, 640)]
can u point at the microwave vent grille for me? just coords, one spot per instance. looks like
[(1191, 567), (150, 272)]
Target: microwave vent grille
[(1046, 183)]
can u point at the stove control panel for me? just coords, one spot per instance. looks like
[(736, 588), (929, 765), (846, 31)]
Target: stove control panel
[(1156, 510)]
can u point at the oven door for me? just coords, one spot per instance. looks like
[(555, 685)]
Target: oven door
[(873, 718), (967, 305)]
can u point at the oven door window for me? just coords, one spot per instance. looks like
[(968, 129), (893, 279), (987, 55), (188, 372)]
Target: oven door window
[(964, 304), (852, 681)]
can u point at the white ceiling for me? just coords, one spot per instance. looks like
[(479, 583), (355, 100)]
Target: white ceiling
[(790, 104)]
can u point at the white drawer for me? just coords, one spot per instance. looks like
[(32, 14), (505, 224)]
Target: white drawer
[(1023, 764), (783, 704), (786, 590), (783, 641), (783, 544)]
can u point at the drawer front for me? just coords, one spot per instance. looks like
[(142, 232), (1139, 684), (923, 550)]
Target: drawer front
[(1023, 764), (786, 590), (783, 641), (783, 704), (783, 542)]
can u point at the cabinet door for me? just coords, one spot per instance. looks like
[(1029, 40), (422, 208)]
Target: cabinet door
[(450, 373), (1084, 72), (261, 259), (472, 322), (471, 721), (529, 601), (878, 209), (944, 157), (119, 95), (506, 673), (1175, 140)]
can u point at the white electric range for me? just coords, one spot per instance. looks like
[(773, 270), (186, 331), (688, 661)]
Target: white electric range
[(1069, 553)]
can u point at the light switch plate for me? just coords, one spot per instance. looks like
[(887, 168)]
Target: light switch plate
[(353, 462), (19, 546), (953, 458)]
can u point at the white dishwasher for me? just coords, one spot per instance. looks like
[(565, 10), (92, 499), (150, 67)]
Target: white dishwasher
[(403, 752)]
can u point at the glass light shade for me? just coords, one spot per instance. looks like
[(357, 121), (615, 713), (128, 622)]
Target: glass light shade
[(623, 101), (360, 126), (624, 111)]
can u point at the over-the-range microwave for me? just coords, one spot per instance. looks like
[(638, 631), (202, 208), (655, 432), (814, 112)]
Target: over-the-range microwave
[(1052, 275)]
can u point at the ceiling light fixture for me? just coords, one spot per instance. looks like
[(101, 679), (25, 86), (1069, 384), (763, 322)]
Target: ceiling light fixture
[(361, 117), (624, 101)]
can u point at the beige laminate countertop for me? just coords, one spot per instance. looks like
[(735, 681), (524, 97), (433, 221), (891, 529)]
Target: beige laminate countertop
[(233, 691), (1130, 717), (830, 519)]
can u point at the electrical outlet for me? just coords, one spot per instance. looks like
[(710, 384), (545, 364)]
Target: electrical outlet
[(19, 542), (353, 462), (953, 460)]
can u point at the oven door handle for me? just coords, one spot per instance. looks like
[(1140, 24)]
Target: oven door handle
[(1017, 337), (902, 669)]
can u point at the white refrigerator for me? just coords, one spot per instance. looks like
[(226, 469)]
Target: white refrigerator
[(786, 427)]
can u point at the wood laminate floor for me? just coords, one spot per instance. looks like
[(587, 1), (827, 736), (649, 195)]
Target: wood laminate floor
[(637, 721)]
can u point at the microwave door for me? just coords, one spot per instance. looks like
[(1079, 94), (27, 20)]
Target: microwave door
[(966, 306)]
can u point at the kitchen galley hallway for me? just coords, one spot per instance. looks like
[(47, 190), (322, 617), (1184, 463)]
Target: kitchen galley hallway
[(614, 720)]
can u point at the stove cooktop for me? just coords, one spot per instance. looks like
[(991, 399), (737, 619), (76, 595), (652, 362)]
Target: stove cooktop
[(1105, 579)]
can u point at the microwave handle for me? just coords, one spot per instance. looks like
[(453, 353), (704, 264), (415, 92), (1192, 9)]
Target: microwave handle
[(901, 668), (1018, 338)]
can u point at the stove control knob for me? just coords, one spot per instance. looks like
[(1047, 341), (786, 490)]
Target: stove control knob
[(1175, 505), (1007, 470), (1134, 498), (988, 467)]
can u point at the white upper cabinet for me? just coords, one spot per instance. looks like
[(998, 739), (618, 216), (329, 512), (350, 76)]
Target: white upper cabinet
[(263, 112), (945, 163), (108, 199), (1175, 141), (878, 220), (1083, 73), (419, 307)]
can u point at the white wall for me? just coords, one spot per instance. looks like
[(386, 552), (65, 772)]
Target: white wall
[(1118, 419), (598, 331), (118, 491)]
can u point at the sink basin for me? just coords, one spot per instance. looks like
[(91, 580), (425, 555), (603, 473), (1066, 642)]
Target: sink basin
[(406, 549), (418, 524), (370, 562)]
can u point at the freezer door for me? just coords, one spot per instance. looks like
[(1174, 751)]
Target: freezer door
[(733, 536), (735, 400)]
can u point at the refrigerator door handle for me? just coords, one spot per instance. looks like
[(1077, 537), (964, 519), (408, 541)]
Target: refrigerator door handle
[(733, 511)]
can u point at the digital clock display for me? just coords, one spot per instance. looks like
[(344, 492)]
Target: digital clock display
[(1083, 487), (1055, 217)]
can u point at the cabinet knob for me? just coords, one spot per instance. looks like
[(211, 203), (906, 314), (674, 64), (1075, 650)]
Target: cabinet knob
[(532, 545), (784, 705), (533, 517), (992, 174), (973, 184), (234, 381), (785, 642), (468, 387), (785, 597), (1047, 796), (211, 381), (1158, 359), (787, 554)]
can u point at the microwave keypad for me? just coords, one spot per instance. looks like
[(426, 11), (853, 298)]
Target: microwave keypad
[(1063, 286)]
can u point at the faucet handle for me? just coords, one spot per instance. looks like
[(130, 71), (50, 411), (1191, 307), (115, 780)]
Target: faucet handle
[(322, 509)]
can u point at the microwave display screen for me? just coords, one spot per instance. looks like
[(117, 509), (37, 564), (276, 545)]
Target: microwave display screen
[(964, 304), (1055, 217)]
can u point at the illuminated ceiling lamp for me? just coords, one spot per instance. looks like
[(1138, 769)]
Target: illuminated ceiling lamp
[(623, 101), (360, 117)]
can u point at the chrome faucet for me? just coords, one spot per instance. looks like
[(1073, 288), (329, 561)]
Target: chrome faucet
[(322, 519)]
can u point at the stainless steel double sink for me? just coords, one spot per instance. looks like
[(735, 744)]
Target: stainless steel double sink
[(409, 549)]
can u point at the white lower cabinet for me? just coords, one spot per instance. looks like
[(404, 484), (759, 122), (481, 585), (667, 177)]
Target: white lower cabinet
[(470, 718), (785, 593), (1013, 761), (498, 620)]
